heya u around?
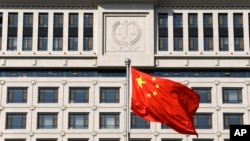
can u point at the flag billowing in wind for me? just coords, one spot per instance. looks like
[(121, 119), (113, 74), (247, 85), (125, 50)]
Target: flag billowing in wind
[(162, 100)]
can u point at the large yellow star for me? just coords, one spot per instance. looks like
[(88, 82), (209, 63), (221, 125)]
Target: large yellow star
[(140, 82)]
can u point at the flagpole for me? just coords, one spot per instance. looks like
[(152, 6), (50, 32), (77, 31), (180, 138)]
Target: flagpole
[(127, 62)]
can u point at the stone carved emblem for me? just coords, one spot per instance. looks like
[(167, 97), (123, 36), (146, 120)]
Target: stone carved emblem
[(126, 34)]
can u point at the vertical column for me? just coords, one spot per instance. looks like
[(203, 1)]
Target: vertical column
[(20, 31), (216, 32), (5, 31), (200, 32), (65, 31), (35, 31), (185, 31), (50, 30), (170, 31), (80, 31), (246, 31), (230, 32)]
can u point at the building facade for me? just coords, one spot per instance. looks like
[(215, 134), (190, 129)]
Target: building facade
[(63, 75)]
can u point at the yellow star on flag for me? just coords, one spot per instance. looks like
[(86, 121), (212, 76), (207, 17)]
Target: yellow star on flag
[(140, 82)]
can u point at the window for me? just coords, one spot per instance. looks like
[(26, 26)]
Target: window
[(223, 44), (48, 95), (28, 20), (73, 43), (203, 139), (78, 120), (193, 44), (12, 43), (1, 20), (78, 95), (163, 20), (27, 43), (58, 20), (232, 119), (0, 43), (192, 21), (232, 95), (73, 20), (43, 19), (109, 120), (16, 120), (177, 20), (171, 139), (46, 139), (223, 21), (47, 121), (139, 123), (163, 126), (109, 139), (208, 20), (140, 139), (178, 44), (78, 139), (57, 44), (17, 95), (42, 43), (238, 20), (15, 140), (163, 43), (208, 44), (205, 94), (109, 95), (13, 19), (203, 121), (238, 44), (88, 20), (87, 43)]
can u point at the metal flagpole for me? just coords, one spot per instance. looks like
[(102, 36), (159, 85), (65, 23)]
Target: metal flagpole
[(127, 62)]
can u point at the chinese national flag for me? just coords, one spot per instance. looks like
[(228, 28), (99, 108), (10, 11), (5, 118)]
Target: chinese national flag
[(162, 100)]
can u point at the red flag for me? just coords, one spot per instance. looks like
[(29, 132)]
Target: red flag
[(162, 100)]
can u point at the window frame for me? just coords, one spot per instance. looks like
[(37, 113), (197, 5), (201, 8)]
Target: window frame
[(42, 43), (107, 92), (72, 43), (193, 44), (138, 123), (205, 94), (28, 20), (226, 95), (178, 20), (192, 20), (58, 20), (208, 20), (43, 20), (228, 116), (10, 121), (178, 43), (163, 44), (107, 118), (12, 19), (223, 44), (12, 43), (57, 43), (73, 95), (27, 43), (73, 116), (44, 97), (203, 121), (40, 120), (11, 94), (239, 43)]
